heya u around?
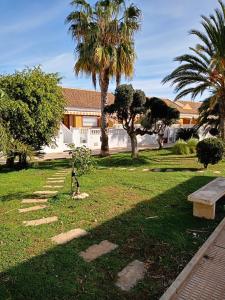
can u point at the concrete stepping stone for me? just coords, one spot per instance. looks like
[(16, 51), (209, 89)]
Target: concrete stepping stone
[(33, 208), (200, 171), (53, 186), (133, 169), (123, 168), (145, 170), (97, 250), (55, 181), (40, 221), (169, 170), (157, 170), (130, 275), (46, 192), (29, 201), (68, 236), (217, 172), (81, 196)]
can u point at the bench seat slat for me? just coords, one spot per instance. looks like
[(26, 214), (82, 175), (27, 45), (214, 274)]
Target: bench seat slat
[(210, 192)]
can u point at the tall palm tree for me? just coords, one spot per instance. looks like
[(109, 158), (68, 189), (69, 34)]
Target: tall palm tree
[(104, 35), (204, 68)]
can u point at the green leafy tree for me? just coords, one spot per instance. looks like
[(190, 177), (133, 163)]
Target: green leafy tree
[(32, 109), (204, 68), (104, 35), (128, 105), (131, 106), (158, 116)]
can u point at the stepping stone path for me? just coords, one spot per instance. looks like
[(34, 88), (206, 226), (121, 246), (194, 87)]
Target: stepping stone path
[(46, 192), (33, 208), (133, 169), (40, 221), (29, 201), (145, 170), (97, 250), (68, 236), (130, 275)]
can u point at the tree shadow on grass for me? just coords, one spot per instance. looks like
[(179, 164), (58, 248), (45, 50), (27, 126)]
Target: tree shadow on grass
[(177, 169), (123, 161), (164, 243), (56, 164)]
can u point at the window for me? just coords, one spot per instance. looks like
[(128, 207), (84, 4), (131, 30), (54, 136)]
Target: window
[(90, 122)]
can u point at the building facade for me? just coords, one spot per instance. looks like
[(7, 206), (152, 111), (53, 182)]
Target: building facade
[(83, 109)]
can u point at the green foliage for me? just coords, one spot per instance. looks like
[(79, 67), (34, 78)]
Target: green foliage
[(158, 115), (82, 160), (153, 113), (209, 115), (187, 133), (210, 151), (181, 148), (203, 69), (192, 144), (104, 36), (33, 107)]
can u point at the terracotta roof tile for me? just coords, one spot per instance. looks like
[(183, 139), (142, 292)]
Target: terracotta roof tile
[(87, 99), (185, 107), (84, 98)]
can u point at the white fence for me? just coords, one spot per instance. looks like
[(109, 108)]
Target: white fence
[(91, 138), (118, 138)]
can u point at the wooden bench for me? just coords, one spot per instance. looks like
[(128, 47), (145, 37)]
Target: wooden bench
[(204, 200)]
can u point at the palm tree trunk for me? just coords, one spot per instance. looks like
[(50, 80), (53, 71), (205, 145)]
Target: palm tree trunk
[(104, 85), (222, 118)]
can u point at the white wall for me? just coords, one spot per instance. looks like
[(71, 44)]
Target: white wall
[(91, 138)]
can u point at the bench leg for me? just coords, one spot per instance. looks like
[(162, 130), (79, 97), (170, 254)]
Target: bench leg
[(204, 211)]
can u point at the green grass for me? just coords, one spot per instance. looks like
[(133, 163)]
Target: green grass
[(119, 207)]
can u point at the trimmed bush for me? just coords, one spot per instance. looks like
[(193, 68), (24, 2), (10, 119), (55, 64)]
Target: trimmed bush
[(210, 151), (192, 144), (187, 133), (181, 147)]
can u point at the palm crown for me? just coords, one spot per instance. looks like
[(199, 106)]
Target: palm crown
[(105, 37), (204, 68)]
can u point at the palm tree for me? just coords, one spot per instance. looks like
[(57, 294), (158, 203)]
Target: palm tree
[(204, 68), (104, 36)]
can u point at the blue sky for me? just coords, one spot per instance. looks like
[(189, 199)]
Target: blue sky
[(33, 32)]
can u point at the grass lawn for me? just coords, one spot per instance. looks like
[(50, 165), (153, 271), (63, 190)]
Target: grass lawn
[(119, 208)]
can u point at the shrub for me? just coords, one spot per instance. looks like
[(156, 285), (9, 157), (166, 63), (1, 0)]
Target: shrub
[(181, 147), (187, 133), (82, 160), (210, 151), (82, 163), (192, 144)]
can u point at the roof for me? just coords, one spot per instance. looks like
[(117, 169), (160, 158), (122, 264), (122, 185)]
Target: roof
[(84, 98), (185, 107), (87, 99)]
